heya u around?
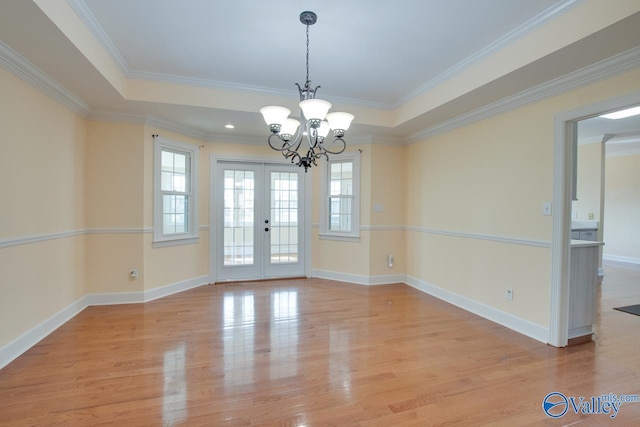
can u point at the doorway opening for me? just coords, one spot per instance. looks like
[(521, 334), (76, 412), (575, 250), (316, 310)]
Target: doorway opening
[(565, 170)]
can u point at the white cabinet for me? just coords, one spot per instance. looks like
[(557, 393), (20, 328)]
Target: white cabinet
[(583, 288)]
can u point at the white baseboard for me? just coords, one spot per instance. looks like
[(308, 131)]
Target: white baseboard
[(525, 327), (30, 338), (108, 298), (174, 288), (620, 258), (359, 279), (579, 332), (24, 342)]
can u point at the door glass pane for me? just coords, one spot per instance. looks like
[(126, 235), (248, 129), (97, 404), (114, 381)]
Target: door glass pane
[(239, 196), (284, 218)]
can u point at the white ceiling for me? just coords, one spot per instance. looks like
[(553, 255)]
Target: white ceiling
[(366, 51), (379, 55)]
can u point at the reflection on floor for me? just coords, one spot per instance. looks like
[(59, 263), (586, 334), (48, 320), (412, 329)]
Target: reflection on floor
[(316, 352)]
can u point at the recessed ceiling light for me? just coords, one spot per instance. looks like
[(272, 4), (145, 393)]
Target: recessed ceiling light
[(229, 126), (623, 113)]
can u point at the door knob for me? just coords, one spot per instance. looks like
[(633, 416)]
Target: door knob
[(266, 221), (266, 229)]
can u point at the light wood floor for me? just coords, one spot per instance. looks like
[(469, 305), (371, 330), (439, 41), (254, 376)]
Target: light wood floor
[(315, 352)]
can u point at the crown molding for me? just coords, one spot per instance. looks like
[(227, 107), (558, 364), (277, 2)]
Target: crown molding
[(599, 71), (22, 68), (90, 21), (513, 35)]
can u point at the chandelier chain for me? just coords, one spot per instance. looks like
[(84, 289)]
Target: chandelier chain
[(307, 54)]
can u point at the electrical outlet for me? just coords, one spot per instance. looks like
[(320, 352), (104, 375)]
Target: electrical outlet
[(509, 294), (390, 260), (133, 274)]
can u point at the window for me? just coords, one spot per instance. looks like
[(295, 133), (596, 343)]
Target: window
[(341, 199), (174, 192)]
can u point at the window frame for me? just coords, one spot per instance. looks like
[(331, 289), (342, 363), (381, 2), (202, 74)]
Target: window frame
[(325, 232), (161, 239)]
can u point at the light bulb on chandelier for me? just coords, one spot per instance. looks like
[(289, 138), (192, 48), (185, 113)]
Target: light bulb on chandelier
[(288, 134)]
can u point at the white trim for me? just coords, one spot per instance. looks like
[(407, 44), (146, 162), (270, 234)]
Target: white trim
[(191, 151), (621, 258), (359, 279), (24, 342), (325, 233), (39, 238), (581, 331), (338, 238), (90, 21), (145, 230), (175, 242), (490, 49), (23, 69), (308, 182), (518, 324), (25, 240), (114, 298), (489, 237), (602, 70), (383, 228), (478, 236), (174, 288)]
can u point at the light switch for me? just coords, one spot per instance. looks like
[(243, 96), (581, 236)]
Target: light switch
[(378, 207), (546, 209)]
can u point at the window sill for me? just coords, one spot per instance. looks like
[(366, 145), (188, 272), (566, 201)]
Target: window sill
[(339, 237), (175, 242)]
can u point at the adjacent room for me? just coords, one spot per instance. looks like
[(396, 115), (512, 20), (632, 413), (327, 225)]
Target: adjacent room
[(302, 213)]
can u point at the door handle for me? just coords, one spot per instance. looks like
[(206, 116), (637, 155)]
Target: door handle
[(266, 229)]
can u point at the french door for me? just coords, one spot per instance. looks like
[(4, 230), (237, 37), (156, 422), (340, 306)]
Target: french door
[(259, 221)]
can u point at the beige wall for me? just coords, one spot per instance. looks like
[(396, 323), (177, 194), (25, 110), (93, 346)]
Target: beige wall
[(474, 185), (42, 167), (446, 201), (622, 206), (383, 178), (114, 206), (588, 182)]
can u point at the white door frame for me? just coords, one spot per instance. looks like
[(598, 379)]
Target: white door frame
[(306, 211), (563, 177)]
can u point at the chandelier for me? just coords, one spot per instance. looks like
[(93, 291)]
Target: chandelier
[(291, 138)]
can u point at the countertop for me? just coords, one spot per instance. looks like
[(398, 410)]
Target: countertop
[(584, 243)]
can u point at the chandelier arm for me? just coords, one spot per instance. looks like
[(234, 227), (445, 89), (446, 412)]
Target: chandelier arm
[(285, 145), (340, 150)]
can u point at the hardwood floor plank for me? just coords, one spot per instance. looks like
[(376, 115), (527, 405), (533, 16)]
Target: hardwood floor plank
[(315, 352)]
